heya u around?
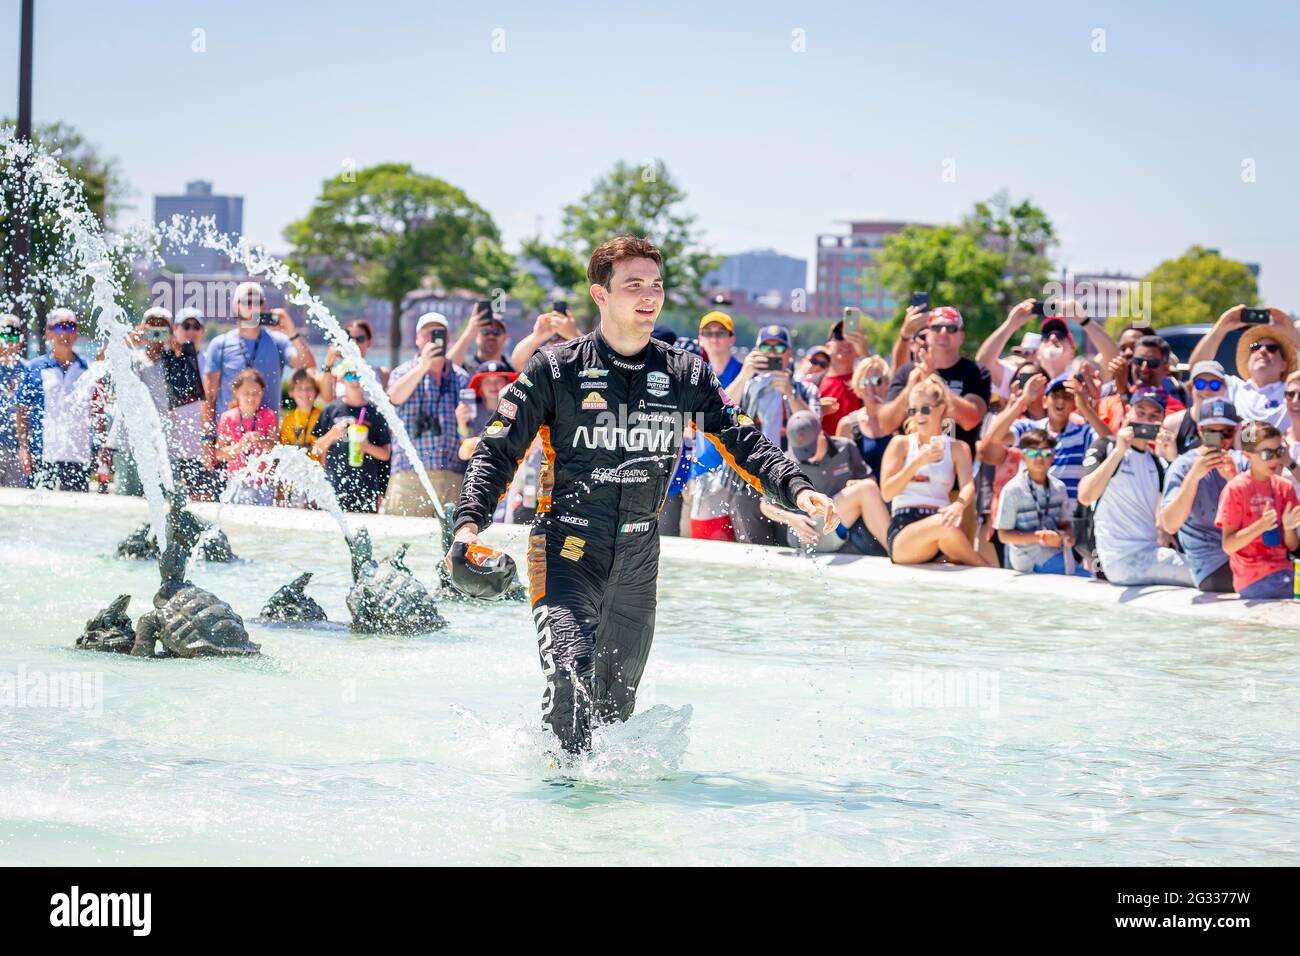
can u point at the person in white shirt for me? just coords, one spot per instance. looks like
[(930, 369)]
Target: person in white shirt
[(1266, 355)]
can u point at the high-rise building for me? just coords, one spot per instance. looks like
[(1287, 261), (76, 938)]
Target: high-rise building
[(199, 201), (843, 279), (763, 275)]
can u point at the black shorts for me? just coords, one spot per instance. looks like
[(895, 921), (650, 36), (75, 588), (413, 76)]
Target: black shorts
[(901, 518)]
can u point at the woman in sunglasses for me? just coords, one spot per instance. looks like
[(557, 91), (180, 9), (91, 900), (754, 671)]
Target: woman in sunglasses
[(363, 336), (1292, 433), (919, 472), (1208, 382), (871, 384)]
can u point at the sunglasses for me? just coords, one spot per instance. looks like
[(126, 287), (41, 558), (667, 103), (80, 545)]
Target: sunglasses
[(715, 335), (1033, 453), (1148, 362), (1208, 385), (923, 409), (1268, 454), (351, 377), (945, 327), (874, 379), (1292, 395), (191, 326), (11, 336), (1056, 337), (489, 330), (1271, 347), (359, 338), (819, 362), (64, 327), (766, 347)]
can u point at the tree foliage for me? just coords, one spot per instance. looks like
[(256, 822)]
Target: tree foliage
[(1197, 287)]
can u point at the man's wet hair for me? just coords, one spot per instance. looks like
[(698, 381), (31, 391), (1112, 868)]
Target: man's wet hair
[(601, 267)]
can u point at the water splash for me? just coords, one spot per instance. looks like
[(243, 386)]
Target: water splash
[(185, 232), (90, 255), (291, 465)]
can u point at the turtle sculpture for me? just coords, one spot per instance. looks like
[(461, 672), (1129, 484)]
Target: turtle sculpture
[(448, 591), (142, 544), (187, 620), (385, 596), (292, 603)]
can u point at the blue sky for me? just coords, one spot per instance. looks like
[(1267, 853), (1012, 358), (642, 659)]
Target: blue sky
[(1135, 152)]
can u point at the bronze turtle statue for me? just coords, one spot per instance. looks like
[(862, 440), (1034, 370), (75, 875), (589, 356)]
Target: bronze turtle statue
[(385, 596)]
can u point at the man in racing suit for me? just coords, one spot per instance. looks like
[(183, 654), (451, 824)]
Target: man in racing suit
[(610, 407)]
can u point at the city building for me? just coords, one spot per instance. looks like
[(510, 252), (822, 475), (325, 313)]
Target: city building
[(763, 276), (1102, 294), (843, 271), (199, 201)]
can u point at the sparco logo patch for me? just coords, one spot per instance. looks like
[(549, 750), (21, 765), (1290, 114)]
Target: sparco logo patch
[(555, 365), (594, 402), (656, 383), (696, 368), (574, 520)]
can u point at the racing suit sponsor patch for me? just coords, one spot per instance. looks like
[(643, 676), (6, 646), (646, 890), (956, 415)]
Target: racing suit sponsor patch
[(593, 373), (507, 409), (634, 527), (656, 383), (574, 520), (628, 366), (555, 363), (496, 429), (594, 402), (572, 548)]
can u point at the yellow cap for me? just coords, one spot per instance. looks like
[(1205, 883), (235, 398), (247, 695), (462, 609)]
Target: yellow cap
[(721, 318)]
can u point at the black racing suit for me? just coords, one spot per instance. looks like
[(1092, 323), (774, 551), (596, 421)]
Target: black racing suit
[(611, 429)]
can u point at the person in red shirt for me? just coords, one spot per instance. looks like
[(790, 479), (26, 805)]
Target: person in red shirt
[(837, 383), (1259, 514)]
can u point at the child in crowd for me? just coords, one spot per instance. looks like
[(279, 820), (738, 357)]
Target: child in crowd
[(1033, 518), (296, 429), (1259, 514), (244, 432), (352, 456)]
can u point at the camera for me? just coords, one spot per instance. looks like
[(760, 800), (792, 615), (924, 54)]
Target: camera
[(267, 318), (1254, 316), (425, 424), (1145, 430)]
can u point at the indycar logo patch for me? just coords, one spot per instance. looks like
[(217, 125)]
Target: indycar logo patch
[(594, 402), (656, 383)]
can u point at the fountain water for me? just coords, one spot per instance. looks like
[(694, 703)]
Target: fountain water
[(88, 254), (185, 232)]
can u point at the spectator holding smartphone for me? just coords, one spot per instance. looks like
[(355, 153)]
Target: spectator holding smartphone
[(425, 391), (919, 472), (487, 330), (352, 439), (1258, 515), (1209, 384), (837, 384), (870, 384), (1122, 480), (1055, 352), (473, 415), (554, 326), (363, 337), (1266, 355), (1147, 368), (1193, 486), (266, 342), (245, 432), (1034, 510)]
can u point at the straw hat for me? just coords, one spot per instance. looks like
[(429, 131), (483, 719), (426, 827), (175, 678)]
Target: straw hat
[(1264, 332)]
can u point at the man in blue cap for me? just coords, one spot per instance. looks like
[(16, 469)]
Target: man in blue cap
[(1191, 496), (1066, 402)]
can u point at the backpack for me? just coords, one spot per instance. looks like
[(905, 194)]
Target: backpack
[(1084, 523)]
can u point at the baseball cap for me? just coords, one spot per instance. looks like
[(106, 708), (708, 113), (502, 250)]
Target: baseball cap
[(1058, 325), (721, 318), (157, 312), (188, 313), (1218, 411), (1208, 367), (487, 369), (9, 319), (802, 430), (431, 318), (778, 332), (1058, 382), (56, 316), (1148, 393)]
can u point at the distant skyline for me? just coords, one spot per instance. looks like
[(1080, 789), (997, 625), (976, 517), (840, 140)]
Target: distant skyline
[(780, 121)]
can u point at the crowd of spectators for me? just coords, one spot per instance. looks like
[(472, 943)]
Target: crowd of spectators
[(1048, 455)]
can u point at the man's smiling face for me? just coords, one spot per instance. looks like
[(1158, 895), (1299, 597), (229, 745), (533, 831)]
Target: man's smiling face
[(635, 295)]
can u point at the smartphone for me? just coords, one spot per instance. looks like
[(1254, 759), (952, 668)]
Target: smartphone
[(1254, 316), (852, 320), (560, 306), (1145, 431), (268, 318), (483, 309), (1038, 308), (771, 363), (469, 397), (438, 336), (921, 300), (1213, 439)]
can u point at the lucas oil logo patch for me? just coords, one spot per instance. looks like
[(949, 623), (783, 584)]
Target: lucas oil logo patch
[(594, 402), (656, 383)]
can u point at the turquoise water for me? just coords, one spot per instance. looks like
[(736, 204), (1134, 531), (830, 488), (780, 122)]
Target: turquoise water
[(783, 719)]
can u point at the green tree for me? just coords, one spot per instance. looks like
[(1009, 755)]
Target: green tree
[(1197, 287), (993, 259), (49, 281), (631, 200), (383, 230)]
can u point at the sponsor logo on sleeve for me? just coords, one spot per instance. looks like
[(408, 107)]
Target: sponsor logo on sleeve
[(496, 429), (507, 409), (574, 520), (593, 373), (745, 420), (697, 367), (555, 364), (656, 383), (524, 380), (634, 527), (572, 548), (516, 393), (594, 402)]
